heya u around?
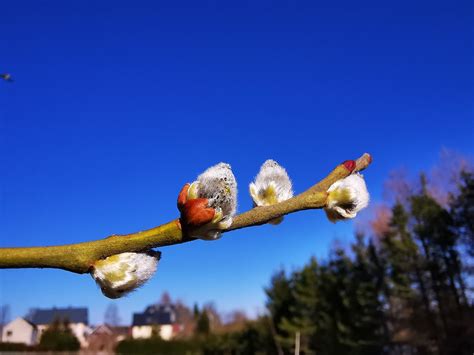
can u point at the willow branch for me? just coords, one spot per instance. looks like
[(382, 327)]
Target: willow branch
[(80, 257)]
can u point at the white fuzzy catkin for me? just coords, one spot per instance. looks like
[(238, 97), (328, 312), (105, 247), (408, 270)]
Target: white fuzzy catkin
[(272, 185), (122, 273), (346, 197), (218, 185)]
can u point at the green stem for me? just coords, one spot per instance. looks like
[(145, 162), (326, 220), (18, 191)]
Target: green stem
[(80, 257)]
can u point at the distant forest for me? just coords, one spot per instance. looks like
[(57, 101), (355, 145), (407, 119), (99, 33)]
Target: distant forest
[(404, 289)]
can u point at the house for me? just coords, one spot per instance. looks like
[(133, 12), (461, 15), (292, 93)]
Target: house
[(77, 318), (20, 331), (104, 338), (156, 320)]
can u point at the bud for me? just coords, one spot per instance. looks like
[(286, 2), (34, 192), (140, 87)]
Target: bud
[(122, 273), (210, 202), (272, 185), (346, 197)]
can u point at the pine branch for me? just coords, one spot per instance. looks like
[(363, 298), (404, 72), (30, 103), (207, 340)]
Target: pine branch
[(80, 257)]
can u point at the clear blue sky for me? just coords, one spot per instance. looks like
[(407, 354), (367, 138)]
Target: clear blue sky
[(116, 104)]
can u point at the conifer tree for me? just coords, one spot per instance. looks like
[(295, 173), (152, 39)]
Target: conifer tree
[(280, 299), (462, 211), (411, 320), (434, 228), (366, 307), (302, 318), (59, 337)]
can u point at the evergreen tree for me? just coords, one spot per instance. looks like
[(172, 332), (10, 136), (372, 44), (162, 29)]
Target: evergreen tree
[(434, 228), (410, 318), (462, 210), (280, 300), (335, 307), (59, 337), (203, 326), (365, 305), (301, 317)]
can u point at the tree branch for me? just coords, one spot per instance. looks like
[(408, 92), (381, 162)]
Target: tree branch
[(80, 257)]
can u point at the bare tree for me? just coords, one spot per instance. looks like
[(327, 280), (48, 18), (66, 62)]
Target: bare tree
[(4, 318), (165, 299), (380, 222), (111, 316), (185, 318), (234, 321), (445, 177)]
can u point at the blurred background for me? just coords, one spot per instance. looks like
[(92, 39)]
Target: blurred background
[(113, 106)]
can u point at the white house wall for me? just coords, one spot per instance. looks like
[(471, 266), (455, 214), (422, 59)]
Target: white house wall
[(146, 331), (19, 331), (142, 331), (166, 332)]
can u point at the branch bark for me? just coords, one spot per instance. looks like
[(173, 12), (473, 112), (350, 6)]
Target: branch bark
[(80, 257)]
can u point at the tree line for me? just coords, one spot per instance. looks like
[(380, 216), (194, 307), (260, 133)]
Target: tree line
[(403, 291)]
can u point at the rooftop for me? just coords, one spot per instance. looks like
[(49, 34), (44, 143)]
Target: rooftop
[(155, 315), (48, 316)]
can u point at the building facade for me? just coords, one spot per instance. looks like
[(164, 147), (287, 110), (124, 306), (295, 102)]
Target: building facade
[(104, 338), (156, 320), (28, 330), (78, 319), (20, 331)]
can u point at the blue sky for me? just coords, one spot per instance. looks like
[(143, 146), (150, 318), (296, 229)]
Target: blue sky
[(116, 105)]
